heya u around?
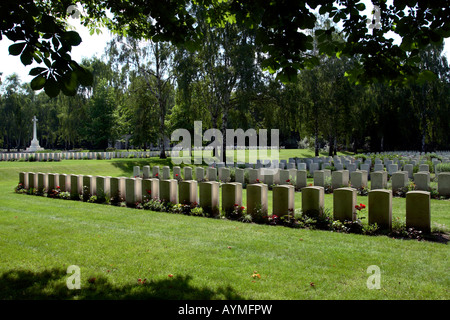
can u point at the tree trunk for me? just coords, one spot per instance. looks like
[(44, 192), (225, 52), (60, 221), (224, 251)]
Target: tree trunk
[(335, 146), (224, 133), (331, 146), (316, 143)]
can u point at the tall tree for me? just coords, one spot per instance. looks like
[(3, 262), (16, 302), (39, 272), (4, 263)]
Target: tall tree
[(153, 62)]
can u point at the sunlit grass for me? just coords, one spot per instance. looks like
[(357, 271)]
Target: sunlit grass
[(208, 258)]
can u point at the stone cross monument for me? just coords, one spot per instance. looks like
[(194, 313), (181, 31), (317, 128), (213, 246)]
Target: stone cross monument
[(35, 142)]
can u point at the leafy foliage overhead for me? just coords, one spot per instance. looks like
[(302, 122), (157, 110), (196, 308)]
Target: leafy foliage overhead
[(284, 30)]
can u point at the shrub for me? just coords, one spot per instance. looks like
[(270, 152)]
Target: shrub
[(20, 188), (257, 214), (327, 185), (182, 208), (154, 205), (360, 156), (64, 195), (443, 167), (363, 191), (232, 174), (303, 144), (235, 214), (54, 193), (197, 211)]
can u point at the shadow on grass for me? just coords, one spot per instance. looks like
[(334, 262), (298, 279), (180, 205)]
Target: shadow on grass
[(51, 285)]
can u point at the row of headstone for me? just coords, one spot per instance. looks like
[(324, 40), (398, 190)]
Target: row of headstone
[(108, 155), (57, 156), (337, 179), (26, 156), (207, 194)]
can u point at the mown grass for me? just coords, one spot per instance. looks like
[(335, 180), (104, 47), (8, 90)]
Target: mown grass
[(208, 258)]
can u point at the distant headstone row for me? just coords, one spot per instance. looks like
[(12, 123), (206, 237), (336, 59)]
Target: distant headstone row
[(26, 156), (58, 156), (207, 195)]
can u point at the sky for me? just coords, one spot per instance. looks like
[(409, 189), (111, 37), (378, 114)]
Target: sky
[(90, 46)]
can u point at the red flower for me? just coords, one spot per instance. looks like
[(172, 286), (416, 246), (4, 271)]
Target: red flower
[(288, 180), (257, 180), (149, 191), (242, 208), (170, 275), (156, 175), (176, 175), (58, 187)]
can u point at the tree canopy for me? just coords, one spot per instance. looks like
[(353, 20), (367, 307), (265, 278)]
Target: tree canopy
[(282, 28)]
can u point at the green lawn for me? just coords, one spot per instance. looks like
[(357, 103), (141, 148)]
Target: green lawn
[(208, 258)]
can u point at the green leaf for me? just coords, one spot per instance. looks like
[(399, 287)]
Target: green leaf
[(36, 71), (426, 76), (72, 37), (17, 48), (85, 78), (37, 58), (38, 82), (70, 84), (51, 88), (26, 57), (47, 62)]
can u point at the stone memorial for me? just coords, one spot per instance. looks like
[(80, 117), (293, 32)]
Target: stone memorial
[(209, 197), (187, 192), (283, 201), (380, 208), (313, 201), (188, 173), (444, 184), (34, 142), (418, 210), (422, 180), (231, 196), (168, 190), (257, 198), (344, 202), (301, 180)]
